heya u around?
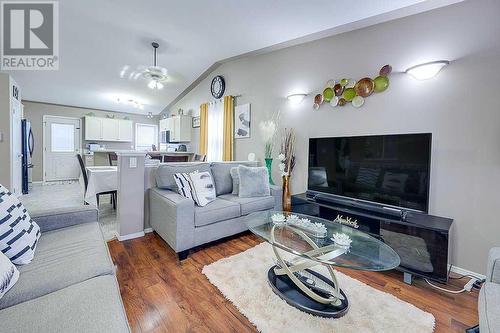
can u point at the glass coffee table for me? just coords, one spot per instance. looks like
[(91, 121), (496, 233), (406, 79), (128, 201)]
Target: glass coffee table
[(309, 240)]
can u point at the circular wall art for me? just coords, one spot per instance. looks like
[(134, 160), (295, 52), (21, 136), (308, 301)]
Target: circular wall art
[(218, 86)]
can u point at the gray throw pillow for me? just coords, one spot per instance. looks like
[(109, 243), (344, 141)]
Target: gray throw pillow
[(236, 180), (254, 182)]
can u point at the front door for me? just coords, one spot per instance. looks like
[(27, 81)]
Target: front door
[(62, 142)]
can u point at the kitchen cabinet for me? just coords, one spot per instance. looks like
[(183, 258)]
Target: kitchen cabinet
[(179, 127), (93, 128), (108, 129), (125, 131)]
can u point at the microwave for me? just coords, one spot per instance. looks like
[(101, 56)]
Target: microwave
[(164, 136)]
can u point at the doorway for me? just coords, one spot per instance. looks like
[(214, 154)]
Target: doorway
[(61, 143)]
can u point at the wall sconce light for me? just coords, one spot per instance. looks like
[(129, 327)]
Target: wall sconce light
[(296, 99), (428, 70)]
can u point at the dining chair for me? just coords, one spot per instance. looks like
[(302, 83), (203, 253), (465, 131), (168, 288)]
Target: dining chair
[(113, 159), (86, 184), (200, 158)]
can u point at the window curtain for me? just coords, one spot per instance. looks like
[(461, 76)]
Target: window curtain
[(228, 129), (215, 126), (203, 128)]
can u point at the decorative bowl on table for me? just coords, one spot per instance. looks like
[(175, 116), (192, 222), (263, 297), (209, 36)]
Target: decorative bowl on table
[(292, 219), (278, 218), (342, 239)]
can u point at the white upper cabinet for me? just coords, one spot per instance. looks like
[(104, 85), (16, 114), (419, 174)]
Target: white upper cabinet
[(108, 129), (180, 128), (125, 131), (93, 128)]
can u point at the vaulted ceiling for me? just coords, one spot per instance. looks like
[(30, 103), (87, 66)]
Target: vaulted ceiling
[(103, 42)]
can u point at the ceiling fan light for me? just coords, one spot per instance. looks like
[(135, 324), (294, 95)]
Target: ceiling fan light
[(153, 84)]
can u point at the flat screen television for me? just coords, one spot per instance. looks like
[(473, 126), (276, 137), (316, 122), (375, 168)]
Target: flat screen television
[(390, 170)]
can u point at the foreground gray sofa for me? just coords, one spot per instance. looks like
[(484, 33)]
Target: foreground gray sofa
[(184, 225), (70, 286), (489, 296)]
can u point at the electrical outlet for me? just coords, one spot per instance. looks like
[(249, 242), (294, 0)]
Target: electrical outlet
[(468, 285), (133, 162)]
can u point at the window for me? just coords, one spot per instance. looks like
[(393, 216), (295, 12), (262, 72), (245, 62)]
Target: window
[(62, 138), (146, 136), (215, 135)]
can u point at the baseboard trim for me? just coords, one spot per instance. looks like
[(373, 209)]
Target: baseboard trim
[(148, 230), (463, 271), (131, 236)]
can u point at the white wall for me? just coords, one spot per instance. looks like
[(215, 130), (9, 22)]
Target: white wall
[(5, 148), (461, 106)]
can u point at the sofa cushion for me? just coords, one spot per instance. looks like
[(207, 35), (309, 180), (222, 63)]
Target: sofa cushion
[(217, 210), (165, 173), (236, 180), (8, 274), (93, 305), (254, 182), (19, 234), (203, 187), (64, 257), (184, 186), (489, 309), (221, 172), (250, 205)]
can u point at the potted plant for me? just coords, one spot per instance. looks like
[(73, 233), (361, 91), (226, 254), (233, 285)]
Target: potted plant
[(268, 130), (287, 163)]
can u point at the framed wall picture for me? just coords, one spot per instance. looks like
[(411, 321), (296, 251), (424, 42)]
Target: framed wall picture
[(196, 122), (242, 121)]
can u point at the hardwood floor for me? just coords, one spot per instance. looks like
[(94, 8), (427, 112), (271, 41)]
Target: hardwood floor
[(162, 295)]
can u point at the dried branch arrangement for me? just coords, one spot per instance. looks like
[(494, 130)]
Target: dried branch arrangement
[(287, 152)]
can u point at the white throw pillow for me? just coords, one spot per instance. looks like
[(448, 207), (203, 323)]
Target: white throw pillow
[(184, 186), (19, 234), (204, 189), (8, 274)]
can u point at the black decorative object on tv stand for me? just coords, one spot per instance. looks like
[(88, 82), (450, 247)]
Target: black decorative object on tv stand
[(421, 240)]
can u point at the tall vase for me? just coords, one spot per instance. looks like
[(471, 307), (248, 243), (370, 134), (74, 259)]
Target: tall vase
[(269, 165), (287, 195)]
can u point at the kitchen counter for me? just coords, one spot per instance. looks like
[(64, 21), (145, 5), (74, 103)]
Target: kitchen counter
[(100, 157)]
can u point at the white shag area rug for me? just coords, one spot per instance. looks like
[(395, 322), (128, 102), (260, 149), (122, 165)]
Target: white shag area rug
[(242, 279)]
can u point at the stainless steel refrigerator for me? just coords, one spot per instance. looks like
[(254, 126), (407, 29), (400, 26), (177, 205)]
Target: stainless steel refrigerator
[(28, 144)]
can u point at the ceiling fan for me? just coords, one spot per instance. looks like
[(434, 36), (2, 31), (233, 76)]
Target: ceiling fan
[(155, 74)]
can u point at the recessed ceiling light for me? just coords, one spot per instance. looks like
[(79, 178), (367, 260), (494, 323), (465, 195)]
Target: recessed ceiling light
[(428, 70)]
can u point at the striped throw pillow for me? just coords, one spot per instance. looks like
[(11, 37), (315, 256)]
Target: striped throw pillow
[(19, 234), (184, 186), (8, 274)]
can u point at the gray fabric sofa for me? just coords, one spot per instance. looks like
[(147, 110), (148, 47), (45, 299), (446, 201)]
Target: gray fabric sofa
[(70, 286), (489, 296), (184, 225)]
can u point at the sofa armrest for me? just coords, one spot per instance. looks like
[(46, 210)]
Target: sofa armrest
[(493, 268), (277, 193), (54, 219), (172, 217)]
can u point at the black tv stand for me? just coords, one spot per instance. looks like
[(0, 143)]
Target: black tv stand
[(421, 240)]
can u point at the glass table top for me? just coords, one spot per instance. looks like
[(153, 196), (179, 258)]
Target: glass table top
[(364, 253)]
